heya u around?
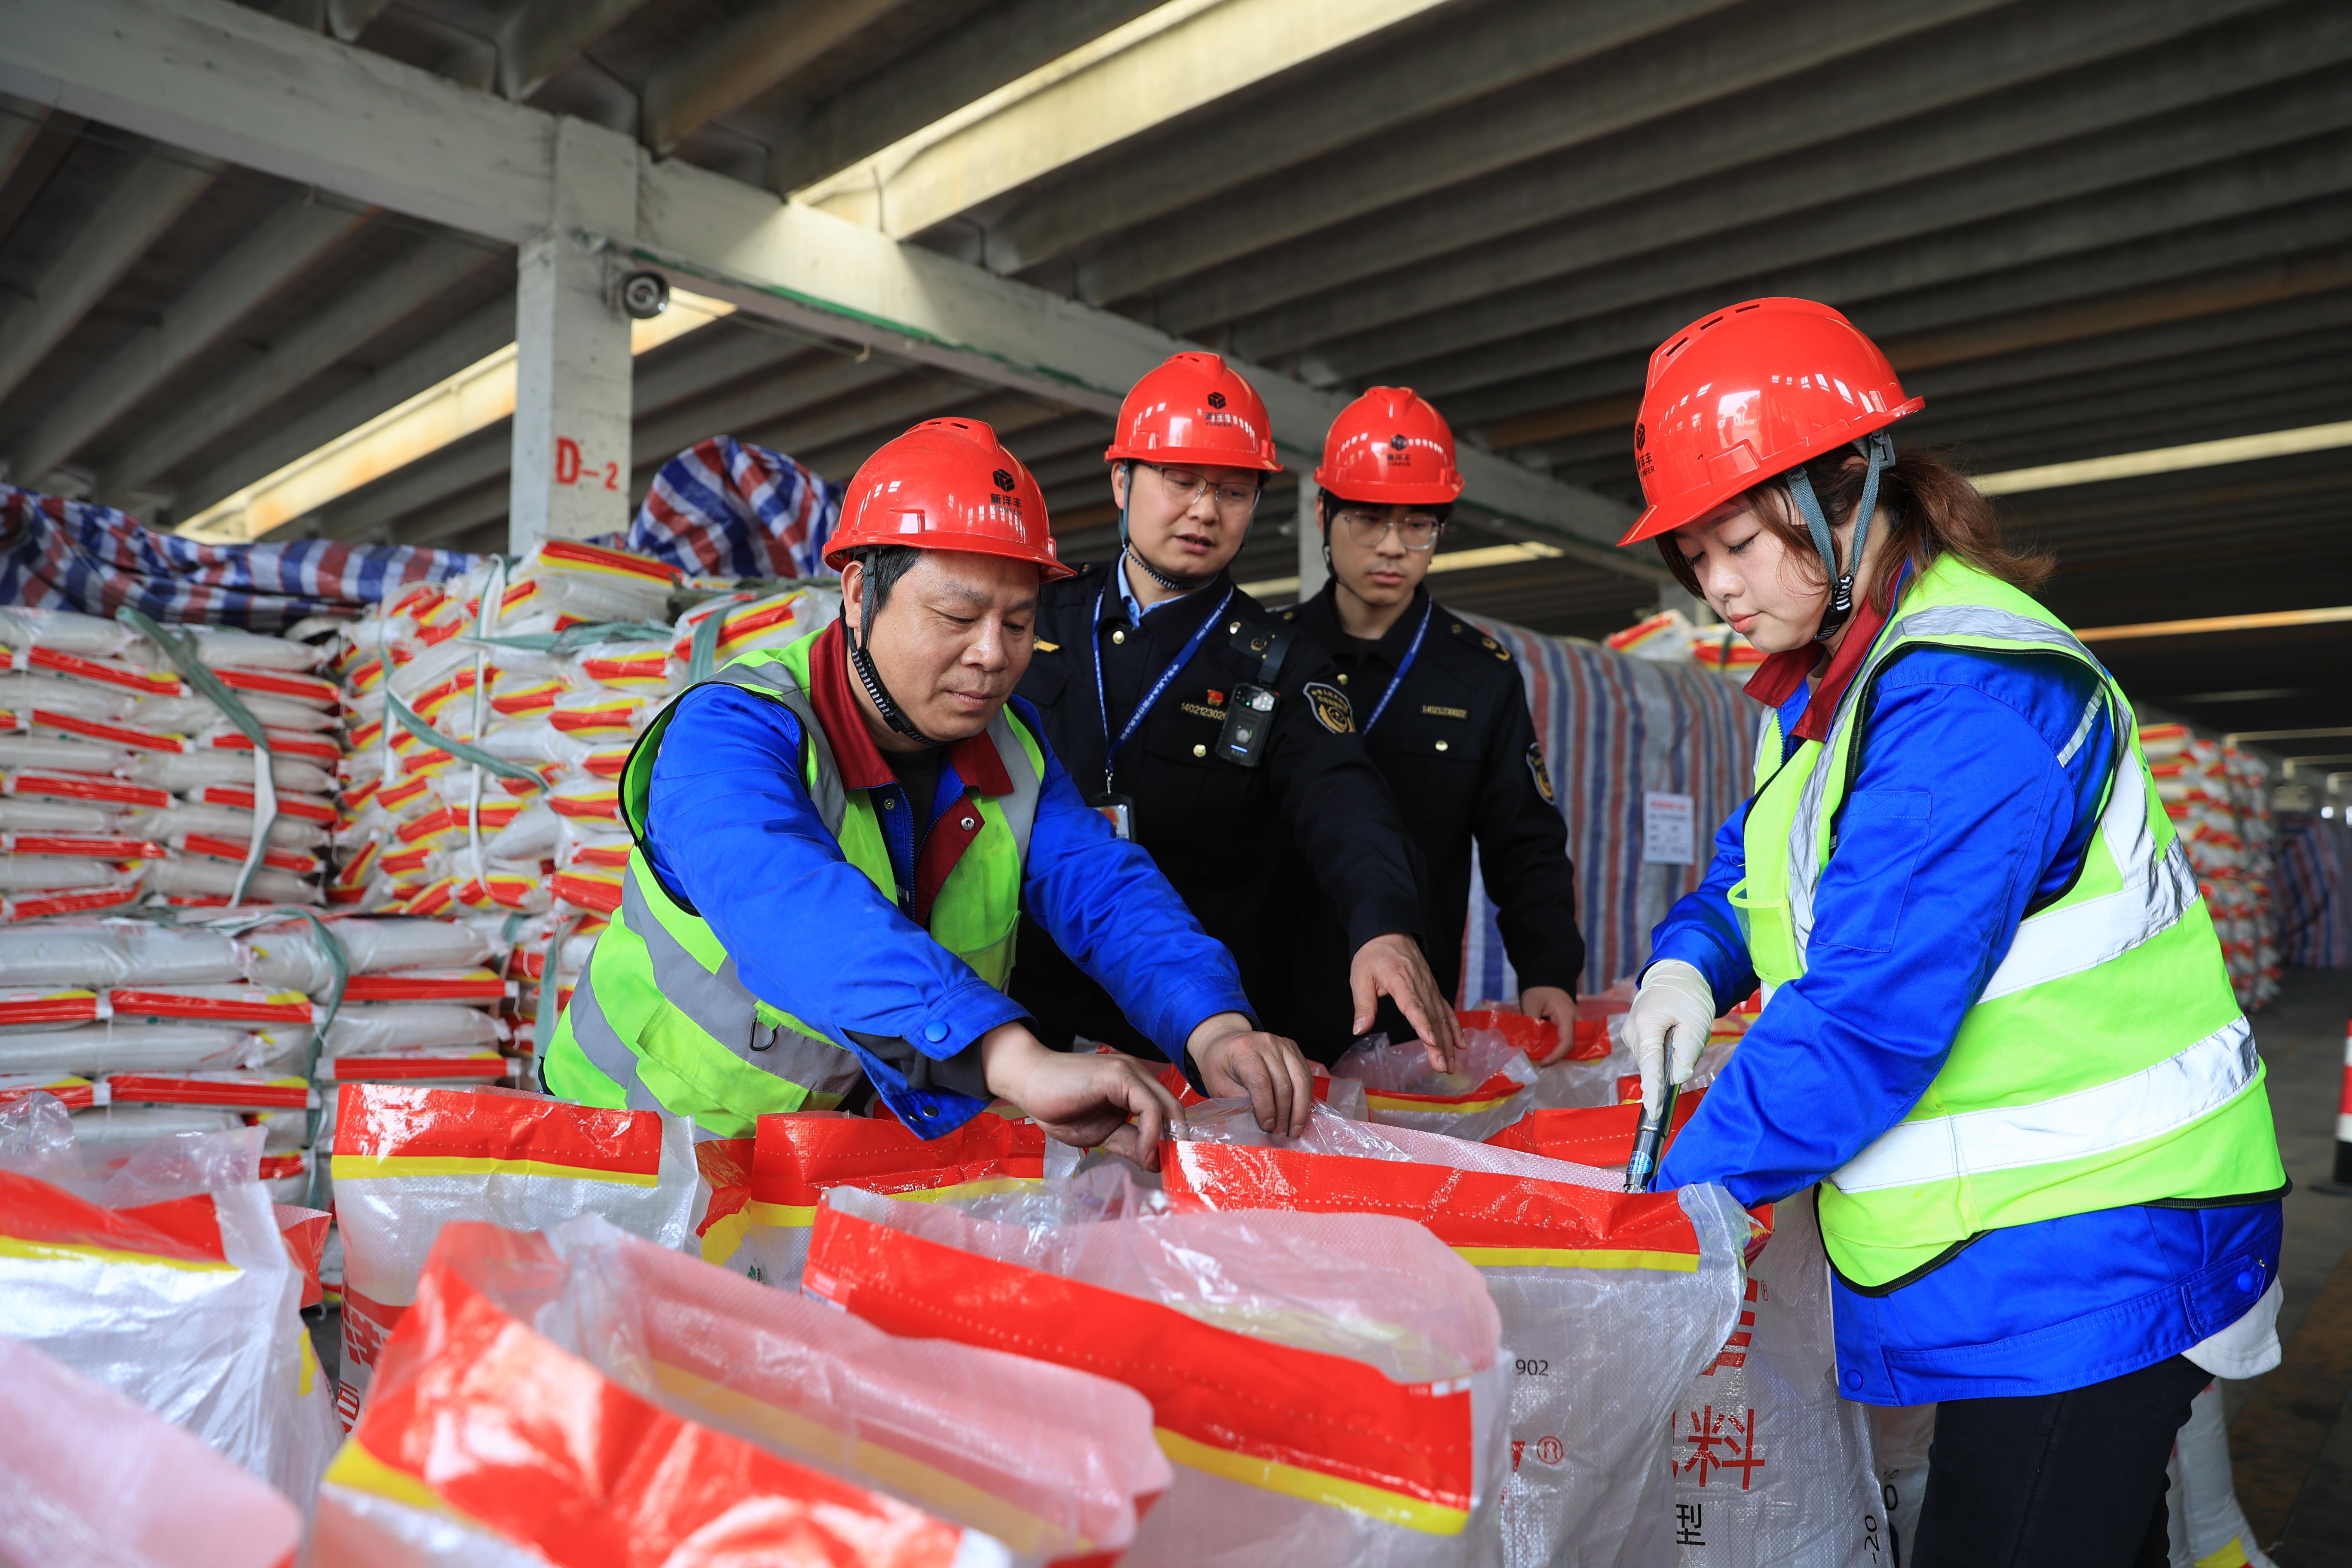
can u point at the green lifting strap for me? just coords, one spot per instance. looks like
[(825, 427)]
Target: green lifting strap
[(456, 748)]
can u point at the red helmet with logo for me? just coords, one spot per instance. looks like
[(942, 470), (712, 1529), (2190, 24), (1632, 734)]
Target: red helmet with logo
[(1390, 447), (1193, 409), (1748, 392), (947, 484)]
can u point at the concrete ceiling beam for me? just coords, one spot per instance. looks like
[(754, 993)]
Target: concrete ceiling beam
[(476, 335), (287, 242), (1996, 152), (1672, 73), (723, 67), (148, 199), (300, 354)]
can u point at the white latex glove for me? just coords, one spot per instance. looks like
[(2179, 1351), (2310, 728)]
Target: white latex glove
[(1672, 1015)]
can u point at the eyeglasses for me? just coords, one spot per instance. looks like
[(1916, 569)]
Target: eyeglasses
[(1230, 501), (1418, 530)]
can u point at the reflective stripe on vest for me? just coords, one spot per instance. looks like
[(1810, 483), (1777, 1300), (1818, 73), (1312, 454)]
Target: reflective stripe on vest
[(2105, 1061), (661, 1015)]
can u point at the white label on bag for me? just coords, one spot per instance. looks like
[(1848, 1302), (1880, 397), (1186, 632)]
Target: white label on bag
[(1666, 835)]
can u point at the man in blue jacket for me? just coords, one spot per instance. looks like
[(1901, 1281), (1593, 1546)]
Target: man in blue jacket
[(836, 842)]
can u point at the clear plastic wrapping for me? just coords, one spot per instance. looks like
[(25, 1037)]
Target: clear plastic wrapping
[(86, 1477), (490, 1443), (408, 1161), (1610, 1302), (1401, 1089), (1052, 1462), (162, 1275), (1327, 1384)]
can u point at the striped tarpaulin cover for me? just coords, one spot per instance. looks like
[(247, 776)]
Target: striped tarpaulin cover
[(724, 508), (1614, 728), (61, 555), (2314, 888)]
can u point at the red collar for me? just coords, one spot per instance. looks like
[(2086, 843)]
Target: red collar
[(1777, 679), (853, 751)]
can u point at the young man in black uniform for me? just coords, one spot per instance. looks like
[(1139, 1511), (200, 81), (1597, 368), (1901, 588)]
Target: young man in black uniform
[(1217, 737), (1442, 712)]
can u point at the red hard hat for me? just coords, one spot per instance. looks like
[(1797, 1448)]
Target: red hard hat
[(1741, 395), (1390, 446), (1192, 409), (947, 484)]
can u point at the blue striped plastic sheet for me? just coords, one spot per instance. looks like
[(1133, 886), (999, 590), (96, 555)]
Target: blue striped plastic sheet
[(1614, 728)]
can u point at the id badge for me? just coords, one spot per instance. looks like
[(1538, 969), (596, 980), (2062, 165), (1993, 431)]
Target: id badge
[(1119, 811), (1249, 723)]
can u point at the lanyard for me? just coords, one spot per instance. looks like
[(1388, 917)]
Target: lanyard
[(1102, 704), (1411, 652)]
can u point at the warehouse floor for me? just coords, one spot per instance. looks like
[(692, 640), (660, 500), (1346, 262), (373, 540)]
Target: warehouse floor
[(2289, 1436)]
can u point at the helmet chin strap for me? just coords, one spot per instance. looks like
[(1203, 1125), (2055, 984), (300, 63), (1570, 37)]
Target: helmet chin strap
[(1174, 584), (1878, 449), (871, 678)]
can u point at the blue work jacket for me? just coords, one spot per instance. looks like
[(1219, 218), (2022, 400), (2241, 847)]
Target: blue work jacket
[(1846, 1050), (731, 825)]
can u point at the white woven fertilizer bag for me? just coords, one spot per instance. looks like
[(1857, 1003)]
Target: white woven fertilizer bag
[(1770, 1467), (407, 1161)]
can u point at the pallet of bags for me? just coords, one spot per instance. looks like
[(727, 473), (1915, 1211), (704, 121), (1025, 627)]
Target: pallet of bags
[(165, 1032), (1331, 1388), (123, 783), (476, 703), (1610, 1302), (417, 999), (408, 1160), (706, 1417), (92, 1478), (165, 1276)]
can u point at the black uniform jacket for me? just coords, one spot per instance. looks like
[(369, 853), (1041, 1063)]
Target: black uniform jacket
[(1459, 750), (1222, 833)]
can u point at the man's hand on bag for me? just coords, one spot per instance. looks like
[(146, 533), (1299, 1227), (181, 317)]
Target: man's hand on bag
[(1392, 966), (1555, 1008), (1235, 1060), (1668, 1024), (1083, 1100)]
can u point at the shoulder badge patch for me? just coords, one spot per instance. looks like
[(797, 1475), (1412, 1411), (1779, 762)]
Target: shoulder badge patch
[(1542, 774), (1332, 708), (1497, 649), (1045, 646)]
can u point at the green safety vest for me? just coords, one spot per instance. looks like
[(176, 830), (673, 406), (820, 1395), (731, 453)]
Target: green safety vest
[(660, 1020), (2106, 1062)]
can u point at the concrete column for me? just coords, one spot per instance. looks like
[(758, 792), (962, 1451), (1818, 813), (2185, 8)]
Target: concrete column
[(1311, 575), (570, 465)]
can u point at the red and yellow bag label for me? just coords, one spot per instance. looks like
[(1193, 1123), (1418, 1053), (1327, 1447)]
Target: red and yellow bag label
[(1493, 1221), (1320, 1427), (389, 1131)]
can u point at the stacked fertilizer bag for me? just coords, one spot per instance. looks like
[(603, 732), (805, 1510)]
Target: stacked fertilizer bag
[(129, 771), (1331, 1387), (1668, 637), (166, 1276), (1610, 1301), (546, 1394), (492, 716), (2217, 798)]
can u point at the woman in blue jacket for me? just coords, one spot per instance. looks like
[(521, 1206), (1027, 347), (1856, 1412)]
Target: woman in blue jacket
[(1999, 1043)]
